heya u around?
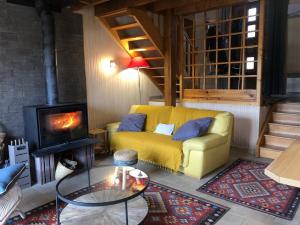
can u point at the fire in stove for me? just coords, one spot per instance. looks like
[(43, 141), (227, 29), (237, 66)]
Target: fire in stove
[(64, 121)]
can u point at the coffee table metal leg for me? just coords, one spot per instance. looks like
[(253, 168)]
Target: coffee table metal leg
[(126, 212), (57, 210), (88, 167)]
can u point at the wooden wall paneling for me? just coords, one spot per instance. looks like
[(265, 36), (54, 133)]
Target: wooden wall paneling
[(110, 92), (170, 58)]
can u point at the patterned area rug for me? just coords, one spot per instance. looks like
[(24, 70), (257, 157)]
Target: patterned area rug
[(166, 206), (245, 183)]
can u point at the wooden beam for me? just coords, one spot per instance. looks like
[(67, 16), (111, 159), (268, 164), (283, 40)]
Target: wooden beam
[(220, 94), (191, 6), (149, 28), (106, 8), (170, 59), (260, 58)]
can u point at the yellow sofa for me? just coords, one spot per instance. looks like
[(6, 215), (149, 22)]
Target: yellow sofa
[(194, 157)]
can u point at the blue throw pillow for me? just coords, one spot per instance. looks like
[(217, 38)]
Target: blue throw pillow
[(9, 175), (133, 122), (192, 128)]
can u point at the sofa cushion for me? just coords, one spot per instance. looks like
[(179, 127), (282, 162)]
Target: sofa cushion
[(192, 128), (8, 176), (166, 129), (155, 115), (133, 122), (181, 115), (155, 148)]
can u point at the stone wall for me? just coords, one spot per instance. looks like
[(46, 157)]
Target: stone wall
[(21, 63)]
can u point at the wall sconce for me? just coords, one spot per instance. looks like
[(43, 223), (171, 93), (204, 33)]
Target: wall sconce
[(112, 64), (108, 66)]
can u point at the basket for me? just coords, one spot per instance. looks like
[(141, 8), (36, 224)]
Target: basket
[(64, 168)]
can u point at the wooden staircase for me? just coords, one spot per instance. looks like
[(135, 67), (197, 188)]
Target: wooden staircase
[(281, 129), (139, 35)]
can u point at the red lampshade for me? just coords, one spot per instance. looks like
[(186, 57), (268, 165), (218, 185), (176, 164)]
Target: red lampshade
[(138, 62)]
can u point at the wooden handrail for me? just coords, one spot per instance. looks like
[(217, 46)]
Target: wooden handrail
[(264, 129)]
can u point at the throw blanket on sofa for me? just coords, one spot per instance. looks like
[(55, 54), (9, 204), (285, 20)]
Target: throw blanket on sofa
[(154, 148)]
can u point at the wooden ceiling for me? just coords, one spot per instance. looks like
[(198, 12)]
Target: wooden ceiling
[(158, 6), (178, 7), (55, 4)]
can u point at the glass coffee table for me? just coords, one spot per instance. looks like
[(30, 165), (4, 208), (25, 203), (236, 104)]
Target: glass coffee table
[(102, 196)]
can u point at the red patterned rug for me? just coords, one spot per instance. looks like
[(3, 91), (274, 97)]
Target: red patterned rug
[(245, 183), (166, 206)]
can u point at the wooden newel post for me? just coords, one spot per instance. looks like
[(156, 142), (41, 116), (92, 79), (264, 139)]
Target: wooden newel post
[(171, 59)]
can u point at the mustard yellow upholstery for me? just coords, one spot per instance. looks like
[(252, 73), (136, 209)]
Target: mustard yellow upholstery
[(194, 157), (155, 114), (181, 115), (155, 148)]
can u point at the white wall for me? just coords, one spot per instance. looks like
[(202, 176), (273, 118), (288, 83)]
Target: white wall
[(247, 121), (110, 92)]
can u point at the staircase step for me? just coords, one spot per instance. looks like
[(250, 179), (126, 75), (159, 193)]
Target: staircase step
[(125, 27), (150, 48), (290, 107), (153, 58), (279, 141), (155, 68), (136, 38), (269, 151), (285, 129), (286, 118)]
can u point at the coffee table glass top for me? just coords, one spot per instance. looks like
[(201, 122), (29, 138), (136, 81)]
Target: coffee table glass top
[(106, 186)]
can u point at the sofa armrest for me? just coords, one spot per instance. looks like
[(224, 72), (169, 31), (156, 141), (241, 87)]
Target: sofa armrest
[(202, 144), (112, 127)]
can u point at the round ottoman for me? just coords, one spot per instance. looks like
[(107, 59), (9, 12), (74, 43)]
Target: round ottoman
[(125, 157)]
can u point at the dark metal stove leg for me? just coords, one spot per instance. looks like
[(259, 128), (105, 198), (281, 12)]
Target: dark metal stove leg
[(87, 165)]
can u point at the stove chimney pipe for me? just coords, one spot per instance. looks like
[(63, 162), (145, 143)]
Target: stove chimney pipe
[(48, 29)]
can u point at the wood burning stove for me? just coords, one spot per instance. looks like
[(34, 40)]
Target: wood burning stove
[(52, 125)]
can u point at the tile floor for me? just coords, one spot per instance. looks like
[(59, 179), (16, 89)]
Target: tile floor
[(237, 215)]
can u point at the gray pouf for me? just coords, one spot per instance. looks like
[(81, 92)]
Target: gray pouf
[(125, 157)]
